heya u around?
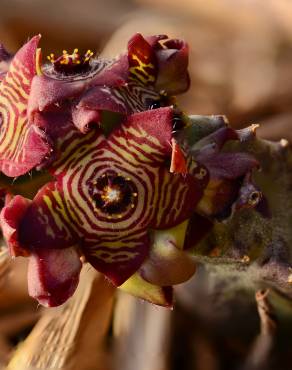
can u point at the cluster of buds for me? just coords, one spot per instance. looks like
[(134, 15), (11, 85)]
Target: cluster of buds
[(130, 183)]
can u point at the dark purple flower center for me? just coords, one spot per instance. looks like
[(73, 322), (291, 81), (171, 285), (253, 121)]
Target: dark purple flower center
[(75, 66), (113, 193), (69, 64)]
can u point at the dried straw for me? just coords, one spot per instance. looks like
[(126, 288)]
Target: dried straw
[(72, 336)]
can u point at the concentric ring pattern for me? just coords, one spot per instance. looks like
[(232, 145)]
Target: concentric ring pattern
[(136, 153)]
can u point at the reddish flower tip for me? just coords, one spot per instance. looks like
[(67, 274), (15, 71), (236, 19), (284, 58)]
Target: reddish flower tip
[(10, 218), (53, 275), (178, 162)]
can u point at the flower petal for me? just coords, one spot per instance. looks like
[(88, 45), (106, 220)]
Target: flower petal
[(151, 131), (172, 64), (51, 88), (10, 219), (120, 259), (229, 165), (142, 61), (101, 98), (46, 222), (83, 118), (140, 288), (46, 91), (53, 275), (22, 145)]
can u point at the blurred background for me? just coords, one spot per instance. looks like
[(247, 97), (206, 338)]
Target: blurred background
[(240, 66)]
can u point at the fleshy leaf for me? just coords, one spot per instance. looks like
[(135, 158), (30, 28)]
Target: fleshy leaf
[(168, 263)]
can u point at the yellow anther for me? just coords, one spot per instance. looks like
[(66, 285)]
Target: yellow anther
[(75, 51), (65, 52)]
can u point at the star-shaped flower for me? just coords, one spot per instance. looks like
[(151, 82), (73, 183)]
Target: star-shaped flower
[(108, 194)]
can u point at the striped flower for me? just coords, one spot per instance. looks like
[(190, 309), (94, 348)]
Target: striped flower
[(39, 104), (108, 194)]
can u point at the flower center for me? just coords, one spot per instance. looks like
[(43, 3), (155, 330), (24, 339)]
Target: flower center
[(113, 194), (71, 63)]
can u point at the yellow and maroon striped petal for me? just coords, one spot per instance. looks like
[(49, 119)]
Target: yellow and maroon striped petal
[(47, 222), (160, 62), (22, 144), (142, 61), (118, 257)]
